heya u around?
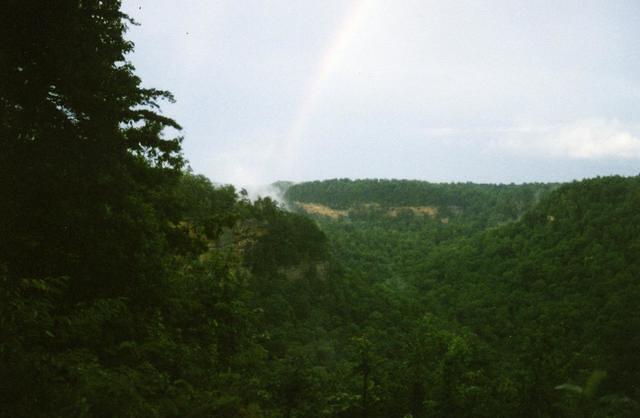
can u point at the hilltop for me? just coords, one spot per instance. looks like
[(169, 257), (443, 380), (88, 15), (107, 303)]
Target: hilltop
[(540, 280)]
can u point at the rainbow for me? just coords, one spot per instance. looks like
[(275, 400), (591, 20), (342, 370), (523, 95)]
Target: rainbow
[(328, 63)]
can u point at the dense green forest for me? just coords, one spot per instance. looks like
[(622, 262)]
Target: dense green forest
[(389, 226), (131, 287), (541, 307)]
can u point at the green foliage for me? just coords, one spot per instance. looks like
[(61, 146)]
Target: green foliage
[(486, 203), (131, 288), (541, 298), (83, 161)]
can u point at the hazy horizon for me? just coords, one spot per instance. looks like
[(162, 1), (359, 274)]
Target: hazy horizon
[(429, 90)]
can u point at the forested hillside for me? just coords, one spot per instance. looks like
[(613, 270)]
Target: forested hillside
[(554, 294), (131, 287), (384, 228), (540, 307)]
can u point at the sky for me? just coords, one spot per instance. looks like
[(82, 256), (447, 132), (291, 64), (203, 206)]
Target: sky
[(446, 91)]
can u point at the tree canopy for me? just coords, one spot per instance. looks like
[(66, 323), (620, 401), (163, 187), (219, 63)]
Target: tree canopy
[(131, 287), (83, 157)]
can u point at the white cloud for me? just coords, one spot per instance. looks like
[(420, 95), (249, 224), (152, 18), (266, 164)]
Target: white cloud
[(471, 72), (247, 164), (586, 140)]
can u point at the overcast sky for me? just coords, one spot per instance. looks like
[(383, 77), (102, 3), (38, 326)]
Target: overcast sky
[(483, 91)]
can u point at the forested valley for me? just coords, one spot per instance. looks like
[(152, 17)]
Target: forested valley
[(132, 287)]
